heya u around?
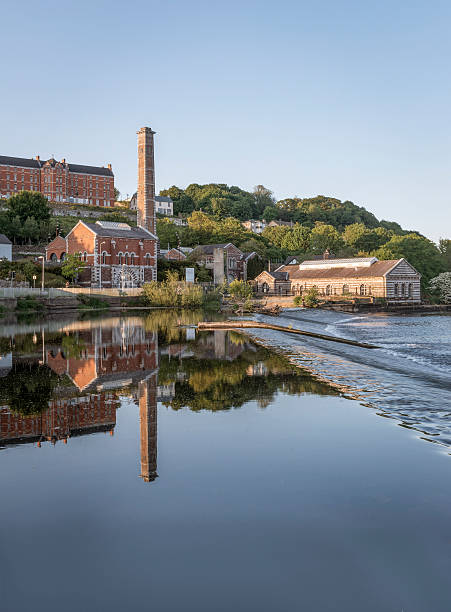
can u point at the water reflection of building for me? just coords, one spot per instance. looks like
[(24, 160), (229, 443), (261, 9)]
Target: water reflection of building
[(65, 418), (98, 361)]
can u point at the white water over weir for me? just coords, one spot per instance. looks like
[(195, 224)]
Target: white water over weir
[(227, 325)]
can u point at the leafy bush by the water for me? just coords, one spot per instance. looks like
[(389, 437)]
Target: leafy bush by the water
[(298, 300), (311, 298), (173, 293), (441, 286), (87, 301), (28, 302)]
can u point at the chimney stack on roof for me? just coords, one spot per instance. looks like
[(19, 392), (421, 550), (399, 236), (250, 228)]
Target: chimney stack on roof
[(109, 167), (37, 157)]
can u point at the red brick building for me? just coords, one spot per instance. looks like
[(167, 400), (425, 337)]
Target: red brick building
[(118, 255), (58, 181)]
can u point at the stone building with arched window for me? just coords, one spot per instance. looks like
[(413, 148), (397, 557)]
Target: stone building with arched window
[(395, 280)]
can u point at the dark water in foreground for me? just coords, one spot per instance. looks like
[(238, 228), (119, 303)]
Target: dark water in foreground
[(144, 467)]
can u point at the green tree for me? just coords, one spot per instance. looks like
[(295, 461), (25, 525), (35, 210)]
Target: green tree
[(30, 230), (276, 235), (270, 213), (263, 198), (444, 246), (297, 239), (28, 204), (72, 266), (419, 251), (325, 237), (230, 230)]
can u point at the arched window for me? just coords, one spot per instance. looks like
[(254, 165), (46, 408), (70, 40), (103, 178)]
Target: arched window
[(410, 289), (403, 289), (119, 258), (53, 257), (104, 257), (63, 256), (147, 259), (396, 288), (328, 290), (132, 259), (265, 288), (362, 290), (126, 259), (85, 256)]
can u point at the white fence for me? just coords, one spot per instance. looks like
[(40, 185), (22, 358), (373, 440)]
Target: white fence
[(14, 292)]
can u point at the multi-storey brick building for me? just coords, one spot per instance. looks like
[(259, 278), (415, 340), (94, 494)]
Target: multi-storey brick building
[(116, 254), (58, 181)]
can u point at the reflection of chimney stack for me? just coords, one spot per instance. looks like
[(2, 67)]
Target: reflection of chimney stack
[(148, 428), (146, 180)]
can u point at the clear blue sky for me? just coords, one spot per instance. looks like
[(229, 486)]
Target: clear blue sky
[(349, 99)]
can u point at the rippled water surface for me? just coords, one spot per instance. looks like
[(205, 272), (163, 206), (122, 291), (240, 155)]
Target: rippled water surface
[(408, 377), (146, 466)]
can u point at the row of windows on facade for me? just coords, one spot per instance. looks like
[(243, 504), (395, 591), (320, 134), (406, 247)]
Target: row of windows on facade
[(122, 258), (400, 289)]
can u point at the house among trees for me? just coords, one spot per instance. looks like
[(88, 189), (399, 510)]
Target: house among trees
[(236, 262), (394, 280), (5, 247), (176, 253), (254, 225)]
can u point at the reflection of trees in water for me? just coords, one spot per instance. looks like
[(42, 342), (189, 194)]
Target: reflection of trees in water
[(211, 384), (166, 322), (28, 388)]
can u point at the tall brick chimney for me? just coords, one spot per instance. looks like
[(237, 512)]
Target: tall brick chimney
[(146, 180)]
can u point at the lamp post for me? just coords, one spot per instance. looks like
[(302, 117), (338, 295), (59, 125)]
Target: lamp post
[(100, 276), (34, 281), (42, 274)]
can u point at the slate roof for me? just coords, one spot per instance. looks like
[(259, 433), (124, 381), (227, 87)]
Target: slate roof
[(4, 239), (207, 249), (90, 170), (334, 262), (377, 269), (277, 274), (115, 232), (6, 160), (23, 162), (163, 199)]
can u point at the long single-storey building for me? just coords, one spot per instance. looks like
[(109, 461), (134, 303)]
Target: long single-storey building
[(395, 279)]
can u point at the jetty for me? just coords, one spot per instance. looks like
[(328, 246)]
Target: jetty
[(230, 325)]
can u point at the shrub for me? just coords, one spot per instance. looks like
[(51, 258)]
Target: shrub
[(28, 302), (240, 289), (311, 298), (87, 301), (173, 293)]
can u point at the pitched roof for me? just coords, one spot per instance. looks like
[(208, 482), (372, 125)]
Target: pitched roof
[(23, 162), (377, 269), (111, 230), (80, 169), (277, 274), (163, 199), (208, 249), (4, 239), (336, 262), (6, 160)]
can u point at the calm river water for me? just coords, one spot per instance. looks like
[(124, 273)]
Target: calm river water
[(148, 467)]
